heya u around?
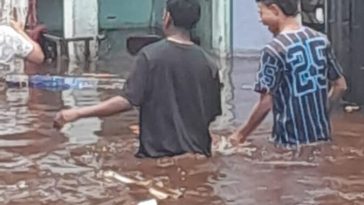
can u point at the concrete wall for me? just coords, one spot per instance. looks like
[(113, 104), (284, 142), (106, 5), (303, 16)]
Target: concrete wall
[(85, 18), (249, 35), (221, 27), (80, 20)]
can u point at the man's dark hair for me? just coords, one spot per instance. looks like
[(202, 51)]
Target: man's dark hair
[(288, 7), (185, 13)]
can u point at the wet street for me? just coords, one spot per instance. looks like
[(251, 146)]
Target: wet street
[(41, 165)]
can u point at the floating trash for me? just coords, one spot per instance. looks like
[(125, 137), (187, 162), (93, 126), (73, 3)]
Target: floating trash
[(352, 108), (247, 87), (50, 82), (156, 189), (149, 202)]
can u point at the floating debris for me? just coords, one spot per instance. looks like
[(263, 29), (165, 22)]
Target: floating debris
[(247, 87), (149, 202), (352, 108), (288, 164), (56, 83), (156, 189)]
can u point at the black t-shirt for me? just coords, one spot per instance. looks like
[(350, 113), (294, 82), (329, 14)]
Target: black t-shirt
[(177, 88)]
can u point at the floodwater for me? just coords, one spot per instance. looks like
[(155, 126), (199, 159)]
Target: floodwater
[(41, 165)]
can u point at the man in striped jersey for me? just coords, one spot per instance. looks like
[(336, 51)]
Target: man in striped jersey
[(299, 78)]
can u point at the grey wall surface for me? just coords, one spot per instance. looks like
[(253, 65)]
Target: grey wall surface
[(248, 33)]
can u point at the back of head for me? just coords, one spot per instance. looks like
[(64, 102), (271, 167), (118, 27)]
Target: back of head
[(288, 7), (185, 13)]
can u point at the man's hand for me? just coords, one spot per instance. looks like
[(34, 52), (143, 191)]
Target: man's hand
[(65, 116), (104, 109), (237, 138), (338, 88), (17, 26), (260, 111)]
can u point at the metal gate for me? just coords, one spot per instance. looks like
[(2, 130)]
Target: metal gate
[(346, 30)]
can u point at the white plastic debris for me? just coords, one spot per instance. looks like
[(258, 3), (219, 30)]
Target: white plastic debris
[(22, 185), (154, 188), (149, 202), (352, 108), (247, 87)]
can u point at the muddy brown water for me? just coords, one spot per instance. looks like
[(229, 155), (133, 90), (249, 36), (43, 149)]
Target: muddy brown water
[(40, 165)]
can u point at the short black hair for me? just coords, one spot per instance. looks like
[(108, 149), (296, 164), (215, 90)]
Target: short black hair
[(185, 13), (288, 7)]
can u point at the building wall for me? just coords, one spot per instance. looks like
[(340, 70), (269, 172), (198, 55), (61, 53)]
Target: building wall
[(81, 20), (213, 29), (113, 14), (85, 18), (125, 14), (249, 35)]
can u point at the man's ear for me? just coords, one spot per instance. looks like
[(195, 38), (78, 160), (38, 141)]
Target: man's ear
[(168, 18), (275, 9)]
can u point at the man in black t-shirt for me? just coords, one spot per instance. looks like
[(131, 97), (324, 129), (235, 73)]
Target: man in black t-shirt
[(176, 86)]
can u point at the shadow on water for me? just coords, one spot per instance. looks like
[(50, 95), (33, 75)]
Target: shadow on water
[(40, 165)]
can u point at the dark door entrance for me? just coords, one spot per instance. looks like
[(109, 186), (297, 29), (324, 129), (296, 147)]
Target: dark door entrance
[(346, 30), (357, 51)]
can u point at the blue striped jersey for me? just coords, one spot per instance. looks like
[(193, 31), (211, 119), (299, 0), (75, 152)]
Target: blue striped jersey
[(296, 68)]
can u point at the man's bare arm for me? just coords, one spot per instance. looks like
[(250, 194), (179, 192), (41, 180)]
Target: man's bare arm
[(338, 88), (259, 113), (104, 109)]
